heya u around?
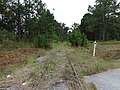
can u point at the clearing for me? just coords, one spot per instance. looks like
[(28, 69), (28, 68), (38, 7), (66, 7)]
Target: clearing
[(39, 69)]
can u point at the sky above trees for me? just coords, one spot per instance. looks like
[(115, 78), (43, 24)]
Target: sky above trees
[(32, 18), (69, 11)]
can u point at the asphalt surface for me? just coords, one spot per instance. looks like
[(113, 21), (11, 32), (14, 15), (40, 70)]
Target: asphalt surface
[(109, 80)]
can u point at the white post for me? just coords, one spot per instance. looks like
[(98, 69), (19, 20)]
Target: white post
[(94, 47)]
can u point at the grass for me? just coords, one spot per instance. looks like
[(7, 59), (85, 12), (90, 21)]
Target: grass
[(11, 45), (83, 61), (57, 65), (94, 86), (47, 71), (16, 59), (6, 70), (31, 60), (61, 45), (87, 65), (108, 42)]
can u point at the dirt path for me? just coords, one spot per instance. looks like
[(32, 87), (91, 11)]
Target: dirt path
[(109, 80), (28, 75)]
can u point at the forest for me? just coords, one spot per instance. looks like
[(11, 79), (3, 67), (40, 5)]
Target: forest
[(28, 21), (31, 21), (102, 23)]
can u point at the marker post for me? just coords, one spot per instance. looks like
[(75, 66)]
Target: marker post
[(94, 48)]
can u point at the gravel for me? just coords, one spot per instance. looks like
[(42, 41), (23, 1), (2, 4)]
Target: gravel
[(43, 58), (58, 86), (109, 80), (9, 88)]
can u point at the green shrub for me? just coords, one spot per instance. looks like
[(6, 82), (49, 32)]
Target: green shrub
[(85, 41), (42, 41), (76, 38), (54, 38), (6, 37)]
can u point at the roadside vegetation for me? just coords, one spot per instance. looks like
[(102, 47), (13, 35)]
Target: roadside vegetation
[(37, 49), (48, 66)]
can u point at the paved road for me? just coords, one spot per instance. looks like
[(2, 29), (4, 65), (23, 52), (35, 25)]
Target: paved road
[(109, 80)]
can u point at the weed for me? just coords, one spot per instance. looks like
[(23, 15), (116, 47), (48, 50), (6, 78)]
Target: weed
[(31, 60), (11, 45), (94, 86), (108, 42)]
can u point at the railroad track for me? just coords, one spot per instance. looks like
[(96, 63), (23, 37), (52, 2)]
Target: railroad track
[(77, 79)]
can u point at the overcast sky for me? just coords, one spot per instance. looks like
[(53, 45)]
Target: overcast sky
[(69, 11)]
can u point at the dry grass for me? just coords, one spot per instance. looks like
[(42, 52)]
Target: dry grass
[(87, 65), (56, 67), (16, 56)]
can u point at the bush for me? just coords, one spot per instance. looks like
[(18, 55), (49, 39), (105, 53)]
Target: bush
[(54, 38), (76, 38), (85, 41), (42, 41), (6, 36)]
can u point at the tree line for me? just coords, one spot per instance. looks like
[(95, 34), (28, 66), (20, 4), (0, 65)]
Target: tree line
[(28, 19), (103, 21), (31, 21)]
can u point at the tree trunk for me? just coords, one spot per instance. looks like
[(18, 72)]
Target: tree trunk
[(103, 32), (103, 35), (19, 29)]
